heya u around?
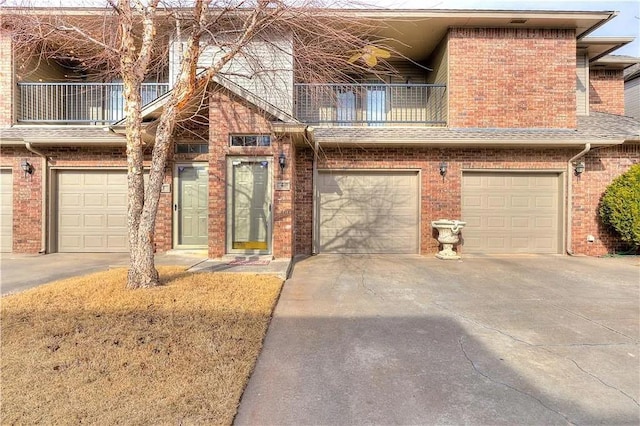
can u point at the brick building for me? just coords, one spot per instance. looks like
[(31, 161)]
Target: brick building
[(487, 120)]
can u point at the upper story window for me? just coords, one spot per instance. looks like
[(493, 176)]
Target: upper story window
[(250, 140)]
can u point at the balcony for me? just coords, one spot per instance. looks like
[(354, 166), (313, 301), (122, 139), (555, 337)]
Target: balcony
[(78, 103), (371, 104)]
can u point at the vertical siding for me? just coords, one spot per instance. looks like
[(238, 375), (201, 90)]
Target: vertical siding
[(632, 98), (408, 73), (264, 68), (440, 74), (582, 84), (440, 63), (38, 70)]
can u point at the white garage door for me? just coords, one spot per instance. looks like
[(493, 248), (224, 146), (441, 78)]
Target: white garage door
[(92, 211), (511, 212), (368, 212), (6, 210)]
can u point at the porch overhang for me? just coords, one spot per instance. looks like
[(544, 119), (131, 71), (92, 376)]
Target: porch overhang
[(60, 136), (597, 129)]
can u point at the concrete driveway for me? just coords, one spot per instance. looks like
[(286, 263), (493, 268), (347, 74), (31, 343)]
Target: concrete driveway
[(19, 272), (414, 340)]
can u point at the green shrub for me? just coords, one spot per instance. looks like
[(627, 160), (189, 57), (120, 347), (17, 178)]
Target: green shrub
[(620, 206)]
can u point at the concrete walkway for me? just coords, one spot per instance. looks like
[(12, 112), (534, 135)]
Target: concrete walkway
[(20, 272), (414, 340)]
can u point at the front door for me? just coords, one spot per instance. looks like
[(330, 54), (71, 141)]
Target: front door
[(191, 205), (249, 206)]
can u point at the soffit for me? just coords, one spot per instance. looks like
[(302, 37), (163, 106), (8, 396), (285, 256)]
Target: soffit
[(618, 62), (598, 47), (416, 33)]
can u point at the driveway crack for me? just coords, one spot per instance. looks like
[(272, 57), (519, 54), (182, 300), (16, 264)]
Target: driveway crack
[(603, 382), (506, 385), (483, 325), (586, 318), (363, 283)]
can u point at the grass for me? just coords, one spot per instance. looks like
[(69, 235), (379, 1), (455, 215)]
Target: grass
[(86, 350)]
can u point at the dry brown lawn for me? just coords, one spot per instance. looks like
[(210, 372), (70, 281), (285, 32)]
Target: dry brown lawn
[(85, 350)]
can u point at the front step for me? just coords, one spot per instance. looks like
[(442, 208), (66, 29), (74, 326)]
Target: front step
[(240, 258)]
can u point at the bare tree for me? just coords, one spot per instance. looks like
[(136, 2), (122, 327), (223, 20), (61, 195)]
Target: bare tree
[(129, 39)]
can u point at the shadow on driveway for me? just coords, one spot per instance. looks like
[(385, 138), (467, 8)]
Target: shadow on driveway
[(414, 340)]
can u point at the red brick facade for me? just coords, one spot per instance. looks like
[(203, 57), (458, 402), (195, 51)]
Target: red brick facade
[(442, 198), (228, 115), (27, 199), (601, 167), (512, 78), (27, 193), (606, 91), (497, 78)]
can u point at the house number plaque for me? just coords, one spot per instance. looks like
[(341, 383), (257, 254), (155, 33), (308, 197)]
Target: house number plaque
[(283, 185)]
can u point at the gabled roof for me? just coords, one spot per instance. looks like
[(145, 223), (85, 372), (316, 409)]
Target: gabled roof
[(153, 110)]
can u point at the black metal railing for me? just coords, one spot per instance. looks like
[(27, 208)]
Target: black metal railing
[(82, 103), (371, 104)]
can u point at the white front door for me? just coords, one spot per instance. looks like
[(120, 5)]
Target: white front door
[(249, 206)]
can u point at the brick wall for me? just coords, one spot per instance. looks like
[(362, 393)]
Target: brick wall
[(442, 198), (27, 200), (27, 192), (228, 115), (602, 166), (303, 201), (512, 78), (6, 79), (606, 91)]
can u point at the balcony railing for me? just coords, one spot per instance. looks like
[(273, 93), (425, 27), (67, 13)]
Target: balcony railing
[(371, 104), (81, 103)]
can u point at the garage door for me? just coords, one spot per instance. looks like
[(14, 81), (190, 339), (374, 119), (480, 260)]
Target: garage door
[(368, 212), (6, 210), (92, 211), (511, 212)]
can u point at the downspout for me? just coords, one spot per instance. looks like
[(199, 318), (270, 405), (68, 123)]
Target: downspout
[(314, 181), (587, 148), (43, 218)]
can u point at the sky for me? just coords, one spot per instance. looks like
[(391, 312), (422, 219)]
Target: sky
[(627, 23)]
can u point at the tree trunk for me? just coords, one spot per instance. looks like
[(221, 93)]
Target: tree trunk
[(142, 270)]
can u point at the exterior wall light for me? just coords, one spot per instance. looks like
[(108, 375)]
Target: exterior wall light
[(579, 168), (282, 161), (443, 169), (27, 168)]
